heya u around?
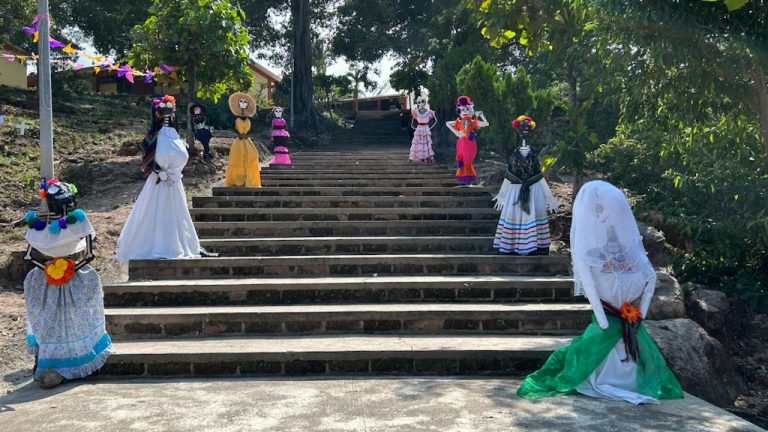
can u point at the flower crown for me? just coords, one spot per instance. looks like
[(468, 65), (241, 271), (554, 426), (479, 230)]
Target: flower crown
[(167, 99), (43, 188), (55, 226), (523, 118), (463, 101)]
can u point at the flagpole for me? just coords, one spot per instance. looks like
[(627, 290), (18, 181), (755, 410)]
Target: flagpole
[(44, 94)]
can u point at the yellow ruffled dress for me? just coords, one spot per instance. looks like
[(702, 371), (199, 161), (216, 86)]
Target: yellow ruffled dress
[(243, 168)]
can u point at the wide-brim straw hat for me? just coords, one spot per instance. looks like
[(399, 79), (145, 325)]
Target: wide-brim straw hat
[(235, 107)]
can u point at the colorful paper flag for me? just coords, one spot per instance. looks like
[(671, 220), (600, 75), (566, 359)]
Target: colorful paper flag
[(54, 43), (69, 50)]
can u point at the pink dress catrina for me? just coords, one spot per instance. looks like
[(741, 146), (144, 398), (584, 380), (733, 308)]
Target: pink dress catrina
[(280, 138)]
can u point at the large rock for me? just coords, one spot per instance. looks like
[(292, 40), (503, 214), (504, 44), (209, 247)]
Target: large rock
[(655, 244), (707, 307), (667, 299), (491, 173), (699, 361)]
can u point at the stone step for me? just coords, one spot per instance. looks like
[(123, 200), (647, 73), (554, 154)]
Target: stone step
[(346, 191), (315, 169), (348, 245), (377, 183), (341, 214), (339, 355), (371, 175), (330, 155), (349, 265), (401, 318), (391, 228), (349, 202), (350, 289), (360, 166)]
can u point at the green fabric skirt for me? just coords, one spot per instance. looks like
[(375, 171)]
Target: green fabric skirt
[(569, 366)]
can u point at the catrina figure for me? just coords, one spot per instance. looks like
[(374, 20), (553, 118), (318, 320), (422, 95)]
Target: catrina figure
[(280, 137), (159, 225), (202, 132), (465, 128), (523, 199), (615, 358), (243, 167), (421, 145), (65, 305)]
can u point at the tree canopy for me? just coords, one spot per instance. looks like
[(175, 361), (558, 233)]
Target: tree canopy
[(205, 38)]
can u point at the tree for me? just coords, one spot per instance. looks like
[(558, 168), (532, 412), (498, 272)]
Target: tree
[(358, 76), (205, 38), (14, 14), (107, 23), (722, 52), (411, 78), (563, 29), (297, 39)]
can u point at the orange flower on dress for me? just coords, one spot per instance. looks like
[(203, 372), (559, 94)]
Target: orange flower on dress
[(630, 312), (59, 271)]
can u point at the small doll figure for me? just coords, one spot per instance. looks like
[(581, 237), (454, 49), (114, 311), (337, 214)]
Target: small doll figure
[(523, 199), (65, 305), (465, 127), (160, 225), (421, 145), (202, 132), (279, 138), (615, 358), (243, 167)]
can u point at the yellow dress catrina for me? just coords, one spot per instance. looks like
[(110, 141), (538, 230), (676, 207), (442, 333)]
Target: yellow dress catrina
[(243, 167)]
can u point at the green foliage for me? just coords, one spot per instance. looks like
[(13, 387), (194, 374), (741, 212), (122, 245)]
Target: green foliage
[(707, 193), (107, 23), (13, 15), (204, 36), (411, 78), (502, 96)]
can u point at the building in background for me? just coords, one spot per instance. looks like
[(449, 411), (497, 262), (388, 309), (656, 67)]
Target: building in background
[(264, 83), (12, 73), (395, 102)]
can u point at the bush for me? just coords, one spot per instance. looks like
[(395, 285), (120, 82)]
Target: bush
[(705, 186)]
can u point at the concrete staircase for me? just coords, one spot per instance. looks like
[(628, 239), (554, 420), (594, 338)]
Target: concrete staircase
[(352, 261)]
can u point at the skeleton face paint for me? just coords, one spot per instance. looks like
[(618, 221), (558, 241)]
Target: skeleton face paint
[(278, 112), (242, 103), (466, 111), (421, 103)]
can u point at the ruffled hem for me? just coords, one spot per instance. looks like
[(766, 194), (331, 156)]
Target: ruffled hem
[(75, 366), (84, 370), (522, 236)]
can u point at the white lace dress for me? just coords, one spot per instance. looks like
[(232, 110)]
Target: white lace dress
[(159, 225)]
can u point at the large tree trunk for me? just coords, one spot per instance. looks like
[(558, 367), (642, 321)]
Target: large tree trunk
[(573, 114), (191, 93), (758, 77), (305, 115)]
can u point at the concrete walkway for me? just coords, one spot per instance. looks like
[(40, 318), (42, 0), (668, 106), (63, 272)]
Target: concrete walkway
[(344, 404)]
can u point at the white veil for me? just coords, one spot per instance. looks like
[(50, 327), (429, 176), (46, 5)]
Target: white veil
[(604, 235)]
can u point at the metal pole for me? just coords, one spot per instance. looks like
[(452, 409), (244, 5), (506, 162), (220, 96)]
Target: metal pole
[(44, 94)]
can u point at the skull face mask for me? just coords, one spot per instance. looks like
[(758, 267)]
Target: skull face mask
[(278, 112), (421, 103)]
